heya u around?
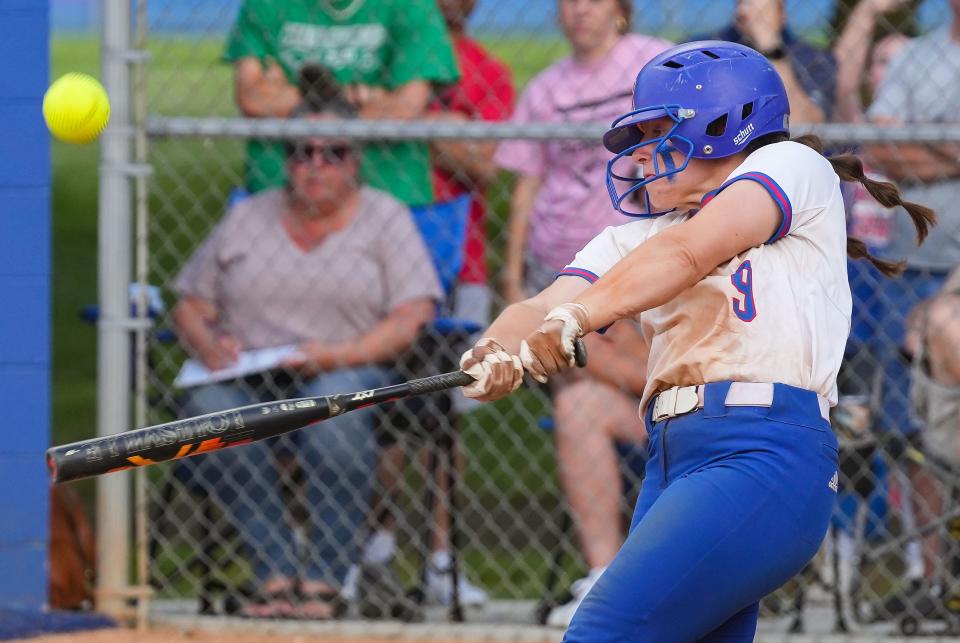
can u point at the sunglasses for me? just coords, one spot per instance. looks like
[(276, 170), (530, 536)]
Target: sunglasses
[(334, 154)]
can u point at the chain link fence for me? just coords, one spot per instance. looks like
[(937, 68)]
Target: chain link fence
[(379, 258)]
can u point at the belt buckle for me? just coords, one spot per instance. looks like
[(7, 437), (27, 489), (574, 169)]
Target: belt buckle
[(675, 401)]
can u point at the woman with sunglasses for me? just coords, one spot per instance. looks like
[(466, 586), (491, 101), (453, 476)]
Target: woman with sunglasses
[(338, 270), (736, 271)]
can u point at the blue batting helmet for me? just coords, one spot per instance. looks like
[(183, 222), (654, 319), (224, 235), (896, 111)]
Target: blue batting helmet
[(720, 95)]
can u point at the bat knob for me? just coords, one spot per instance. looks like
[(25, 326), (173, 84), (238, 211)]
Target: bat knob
[(52, 468), (579, 352)]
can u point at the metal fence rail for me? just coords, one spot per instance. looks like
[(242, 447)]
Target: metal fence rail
[(382, 130)]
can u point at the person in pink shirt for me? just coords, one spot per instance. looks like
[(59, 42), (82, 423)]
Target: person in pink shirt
[(559, 203)]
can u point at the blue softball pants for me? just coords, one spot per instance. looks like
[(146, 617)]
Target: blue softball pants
[(736, 500)]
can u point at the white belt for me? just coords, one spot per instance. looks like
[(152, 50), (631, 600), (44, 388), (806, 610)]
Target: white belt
[(684, 399)]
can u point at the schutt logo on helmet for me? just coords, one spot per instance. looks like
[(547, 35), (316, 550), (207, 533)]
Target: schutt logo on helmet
[(743, 134)]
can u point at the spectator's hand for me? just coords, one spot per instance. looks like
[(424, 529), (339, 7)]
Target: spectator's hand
[(497, 373), (549, 349), (313, 358), (761, 22), (363, 95), (219, 353)]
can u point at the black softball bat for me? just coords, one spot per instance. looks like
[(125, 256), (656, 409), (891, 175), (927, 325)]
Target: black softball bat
[(229, 428)]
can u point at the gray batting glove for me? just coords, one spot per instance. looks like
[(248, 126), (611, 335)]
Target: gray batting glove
[(497, 373)]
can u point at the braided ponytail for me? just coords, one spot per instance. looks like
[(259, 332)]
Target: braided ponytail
[(850, 168)]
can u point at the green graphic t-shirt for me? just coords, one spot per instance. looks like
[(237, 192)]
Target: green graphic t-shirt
[(385, 43)]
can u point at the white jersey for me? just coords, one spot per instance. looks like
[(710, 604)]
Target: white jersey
[(779, 312)]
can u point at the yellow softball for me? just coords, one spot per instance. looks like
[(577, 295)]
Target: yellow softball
[(76, 108)]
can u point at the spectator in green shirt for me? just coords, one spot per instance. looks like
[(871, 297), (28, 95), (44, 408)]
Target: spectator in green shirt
[(386, 54)]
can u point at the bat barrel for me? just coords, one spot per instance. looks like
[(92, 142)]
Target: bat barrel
[(233, 427), (182, 438)]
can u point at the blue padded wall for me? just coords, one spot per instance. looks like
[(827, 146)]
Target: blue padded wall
[(25, 311)]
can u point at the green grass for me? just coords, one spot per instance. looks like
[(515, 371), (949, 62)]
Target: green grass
[(192, 180)]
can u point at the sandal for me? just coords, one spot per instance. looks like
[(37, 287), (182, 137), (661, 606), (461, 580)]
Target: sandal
[(252, 603), (268, 608), (322, 605)]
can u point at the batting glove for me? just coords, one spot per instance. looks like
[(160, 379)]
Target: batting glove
[(549, 349), (497, 373)]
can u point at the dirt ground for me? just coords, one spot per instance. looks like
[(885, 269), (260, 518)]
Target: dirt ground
[(121, 635)]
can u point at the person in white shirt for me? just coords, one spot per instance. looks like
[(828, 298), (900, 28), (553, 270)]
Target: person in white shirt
[(736, 273)]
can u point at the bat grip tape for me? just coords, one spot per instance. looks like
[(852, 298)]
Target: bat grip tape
[(440, 382)]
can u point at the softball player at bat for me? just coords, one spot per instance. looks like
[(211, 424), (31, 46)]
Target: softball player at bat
[(736, 272)]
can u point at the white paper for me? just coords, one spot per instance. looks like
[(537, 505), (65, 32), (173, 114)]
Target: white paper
[(194, 373)]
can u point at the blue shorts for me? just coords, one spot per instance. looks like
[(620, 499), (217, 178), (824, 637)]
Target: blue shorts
[(735, 502)]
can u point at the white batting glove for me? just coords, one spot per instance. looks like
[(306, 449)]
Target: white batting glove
[(549, 349), (497, 373)]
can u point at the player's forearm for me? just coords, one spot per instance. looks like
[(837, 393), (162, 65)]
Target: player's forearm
[(386, 341), (515, 323), (651, 275)]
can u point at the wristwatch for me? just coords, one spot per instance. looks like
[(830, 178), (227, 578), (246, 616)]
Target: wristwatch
[(777, 53)]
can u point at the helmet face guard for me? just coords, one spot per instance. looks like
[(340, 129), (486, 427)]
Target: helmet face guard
[(720, 95), (625, 130)]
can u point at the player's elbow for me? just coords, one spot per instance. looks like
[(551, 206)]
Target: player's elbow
[(688, 261)]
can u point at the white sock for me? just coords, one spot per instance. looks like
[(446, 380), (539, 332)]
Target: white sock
[(380, 547), (914, 556), (440, 561)]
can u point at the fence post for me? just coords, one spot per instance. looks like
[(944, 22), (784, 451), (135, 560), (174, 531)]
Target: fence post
[(113, 332)]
